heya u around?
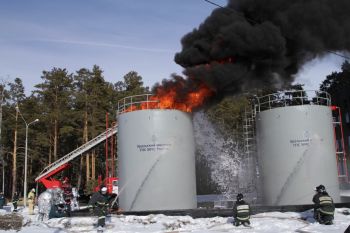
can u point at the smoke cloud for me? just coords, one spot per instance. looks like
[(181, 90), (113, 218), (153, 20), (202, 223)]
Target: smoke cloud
[(258, 43)]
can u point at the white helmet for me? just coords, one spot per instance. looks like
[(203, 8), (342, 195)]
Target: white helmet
[(33, 190), (103, 190)]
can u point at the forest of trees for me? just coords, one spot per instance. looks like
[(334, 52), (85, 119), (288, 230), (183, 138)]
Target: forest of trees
[(71, 108)]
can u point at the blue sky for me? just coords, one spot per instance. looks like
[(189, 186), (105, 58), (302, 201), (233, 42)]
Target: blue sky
[(118, 35)]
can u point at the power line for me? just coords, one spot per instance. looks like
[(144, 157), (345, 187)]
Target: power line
[(233, 10), (255, 22), (338, 54)]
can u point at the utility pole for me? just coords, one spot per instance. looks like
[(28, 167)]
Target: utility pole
[(25, 156), (1, 155)]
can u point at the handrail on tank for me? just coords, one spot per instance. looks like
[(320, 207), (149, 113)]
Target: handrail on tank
[(137, 101), (292, 98)]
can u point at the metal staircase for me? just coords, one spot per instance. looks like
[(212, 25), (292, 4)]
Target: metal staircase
[(343, 174), (75, 153), (250, 166), (249, 133)]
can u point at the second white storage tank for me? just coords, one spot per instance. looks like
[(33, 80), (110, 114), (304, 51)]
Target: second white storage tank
[(296, 153)]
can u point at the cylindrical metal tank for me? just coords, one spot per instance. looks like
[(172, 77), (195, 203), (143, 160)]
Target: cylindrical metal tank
[(156, 160), (296, 153)]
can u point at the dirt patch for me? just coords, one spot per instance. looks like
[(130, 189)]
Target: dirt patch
[(11, 222)]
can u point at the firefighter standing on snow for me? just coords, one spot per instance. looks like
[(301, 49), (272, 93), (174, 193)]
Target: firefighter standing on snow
[(324, 206), (15, 201), (31, 201), (2, 200), (99, 202), (241, 211)]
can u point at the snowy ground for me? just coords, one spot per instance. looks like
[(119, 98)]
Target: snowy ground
[(272, 222)]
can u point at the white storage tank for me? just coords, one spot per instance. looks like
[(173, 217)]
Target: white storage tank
[(296, 147), (156, 158)]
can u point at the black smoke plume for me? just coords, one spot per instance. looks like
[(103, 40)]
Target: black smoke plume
[(256, 43)]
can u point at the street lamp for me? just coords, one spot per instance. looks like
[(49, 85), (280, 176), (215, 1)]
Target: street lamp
[(25, 156)]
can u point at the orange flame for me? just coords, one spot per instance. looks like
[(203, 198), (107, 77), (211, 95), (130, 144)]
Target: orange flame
[(169, 99)]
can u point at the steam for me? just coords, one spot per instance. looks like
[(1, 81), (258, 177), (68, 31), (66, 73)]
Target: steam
[(257, 43)]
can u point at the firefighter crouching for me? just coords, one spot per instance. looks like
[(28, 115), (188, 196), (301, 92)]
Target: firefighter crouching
[(324, 206), (241, 211), (100, 204)]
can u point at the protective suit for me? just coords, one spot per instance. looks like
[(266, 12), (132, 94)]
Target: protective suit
[(324, 206), (241, 211), (48, 199), (99, 203), (31, 201), (2, 200), (74, 202), (15, 201)]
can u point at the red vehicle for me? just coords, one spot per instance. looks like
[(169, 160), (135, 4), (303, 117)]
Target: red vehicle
[(111, 183), (46, 176)]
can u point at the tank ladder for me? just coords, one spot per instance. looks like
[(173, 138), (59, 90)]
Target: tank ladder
[(249, 149), (249, 133), (75, 153), (343, 174)]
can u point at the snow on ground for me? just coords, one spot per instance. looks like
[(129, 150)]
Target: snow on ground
[(269, 222)]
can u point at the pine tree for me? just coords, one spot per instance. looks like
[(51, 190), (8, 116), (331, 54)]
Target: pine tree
[(16, 96), (55, 94)]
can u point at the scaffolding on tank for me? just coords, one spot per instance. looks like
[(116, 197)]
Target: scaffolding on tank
[(137, 102), (291, 98)]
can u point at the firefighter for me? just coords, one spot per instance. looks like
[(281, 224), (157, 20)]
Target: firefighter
[(31, 201), (241, 211), (67, 194), (99, 203), (2, 200), (15, 201), (324, 206)]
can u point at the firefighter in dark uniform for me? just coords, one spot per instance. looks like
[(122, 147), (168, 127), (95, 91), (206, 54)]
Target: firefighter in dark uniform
[(15, 201), (324, 206), (100, 203), (241, 211), (2, 200)]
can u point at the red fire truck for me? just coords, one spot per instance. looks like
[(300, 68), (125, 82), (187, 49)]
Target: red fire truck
[(46, 176)]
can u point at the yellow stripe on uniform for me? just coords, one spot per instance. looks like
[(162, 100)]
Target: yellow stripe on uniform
[(326, 212), (242, 219), (325, 200)]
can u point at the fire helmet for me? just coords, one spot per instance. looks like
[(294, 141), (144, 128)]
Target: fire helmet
[(239, 197), (320, 188), (103, 190)]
